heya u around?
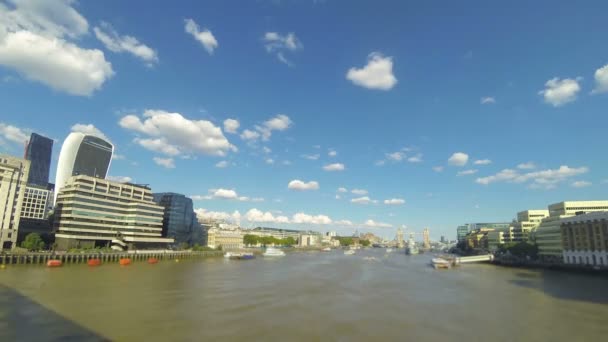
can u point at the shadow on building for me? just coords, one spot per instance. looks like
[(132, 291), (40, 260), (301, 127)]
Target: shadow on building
[(22, 319)]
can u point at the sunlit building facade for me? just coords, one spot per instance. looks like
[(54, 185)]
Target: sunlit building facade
[(14, 173), (585, 239)]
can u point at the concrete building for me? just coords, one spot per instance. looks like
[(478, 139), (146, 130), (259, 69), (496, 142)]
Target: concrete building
[(465, 229), (82, 154), (94, 212), (34, 213), (527, 221), (308, 240), (399, 238), (548, 235), (179, 220), (478, 238), (280, 233), (38, 151), (227, 239), (426, 238), (585, 239), (14, 173)]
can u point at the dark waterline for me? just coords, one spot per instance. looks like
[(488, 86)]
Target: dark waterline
[(303, 296)]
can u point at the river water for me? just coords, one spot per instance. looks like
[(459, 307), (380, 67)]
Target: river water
[(304, 296)]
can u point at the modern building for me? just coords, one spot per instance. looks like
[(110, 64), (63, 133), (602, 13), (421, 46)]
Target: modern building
[(34, 213), (585, 239), (94, 212), (462, 232), (548, 235), (179, 220), (426, 238), (38, 151), (527, 221), (478, 238), (14, 173), (82, 154)]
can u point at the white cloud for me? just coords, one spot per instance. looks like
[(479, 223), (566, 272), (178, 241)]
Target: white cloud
[(250, 135), (332, 153), (204, 214), (373, 224), (311, 156), (560, 92), (395, 156), (526, 166), (269, 161), (297, 184), (438, 168), (394, 201), (256, 215), (361, 200), (204, 37), (281, 122), (231, 126), (601, 80), (116, 156), (334, 167), (169, 163), (380, 162), (415, 159), (12, 133), (117, 43), (222, 164), (338, 197), (467, 172), (359, 191), (546, 179), (89, 129), (581, 184), (174, 134), (120, 179), (487, 100), (310, 219), (458, 159), (275, 42), (482, 162), (377, 74), (342, 189), (343, 223), (225, 194)]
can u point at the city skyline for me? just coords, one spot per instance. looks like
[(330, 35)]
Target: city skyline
[(295, 126)]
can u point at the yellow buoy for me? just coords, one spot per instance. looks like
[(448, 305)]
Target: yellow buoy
[(176, 260), (2, 267)]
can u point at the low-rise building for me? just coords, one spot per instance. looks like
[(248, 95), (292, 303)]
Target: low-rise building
[(308, 240), (14, 173), (94, 212), (226, 239), (585, 239)]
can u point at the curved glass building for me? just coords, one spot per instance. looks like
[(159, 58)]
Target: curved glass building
[(82, 154)]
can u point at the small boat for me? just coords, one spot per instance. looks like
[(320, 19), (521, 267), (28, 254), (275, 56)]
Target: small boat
[(94, 262), (152, 261), (349, 252), (53, 263), (326, 249), (389, 250), (241, 256), (227, 255), (247, 256), (440, 263), (124, 261), (273, 252)]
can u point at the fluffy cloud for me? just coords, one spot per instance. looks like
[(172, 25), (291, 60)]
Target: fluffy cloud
[(377, 74), (487, 100), (174, 134), (225, 194), (601, 80), (526, 166), (361, 200), (310, 219), (120, 179), (231, 126), (168, 163), (467, 172), (395, 156), (13, 134), (581, 184), (311, 156), (332, 153), (275, 42), (546, 179), (373, 224), (342, 189), (89, 129), (269, 161), (334, 167), (221, 164), (117, 43), (255, 215), (415, 159), (359, 191), (482, 162), (299, 185), (343, 223), (560, 92), (458, 159), (204, 37), (281, 122), (438, 168), (34, 40), (394, 201), (250, 135), (204, 214)]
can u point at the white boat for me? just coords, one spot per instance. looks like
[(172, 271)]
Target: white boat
[(440, 263), (326, 249), (349, 252), (273, 252), (228, 255), (389, 250)]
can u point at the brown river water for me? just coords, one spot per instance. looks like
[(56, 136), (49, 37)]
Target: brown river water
[(304, 296)]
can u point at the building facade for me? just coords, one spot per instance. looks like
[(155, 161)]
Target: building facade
[(527, 221), (82, 154), (585, 239), (34, 213), (308, 240), (14, 173), (226, 239), (426, 238), (462, 232), (179, 220), (38, 151), (94, 212)]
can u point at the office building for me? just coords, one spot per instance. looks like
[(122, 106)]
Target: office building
[(226, 239), (399, 238), (527, 221), (82, 154), (308, 240), (94, 212), (465, 229), (34, 210), (426, 238), (548, 235), (462, 232), (179, 219), (14, 173), (38, 151), (585, 239)]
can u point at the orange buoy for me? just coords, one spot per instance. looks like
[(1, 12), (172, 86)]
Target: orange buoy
[(53, 263), (125, 261), (152, 261), (94, 262)]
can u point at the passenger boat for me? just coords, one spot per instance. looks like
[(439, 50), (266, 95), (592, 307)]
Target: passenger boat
[(94, 262), (440, 263), (53, 263), (273, 252)]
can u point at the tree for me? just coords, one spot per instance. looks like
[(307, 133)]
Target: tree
[(364, 243), (250, 240), (33, 242), (289, 241)]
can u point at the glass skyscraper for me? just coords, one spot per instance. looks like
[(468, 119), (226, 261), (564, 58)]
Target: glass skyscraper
[(38, 151), (179, 220)]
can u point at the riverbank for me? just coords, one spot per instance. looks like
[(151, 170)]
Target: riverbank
[(537, 264)]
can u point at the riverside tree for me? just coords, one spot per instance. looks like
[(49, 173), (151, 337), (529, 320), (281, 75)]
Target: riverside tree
[(33, 242)]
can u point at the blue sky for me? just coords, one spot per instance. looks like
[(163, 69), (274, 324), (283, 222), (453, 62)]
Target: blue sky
[(443, 112)]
